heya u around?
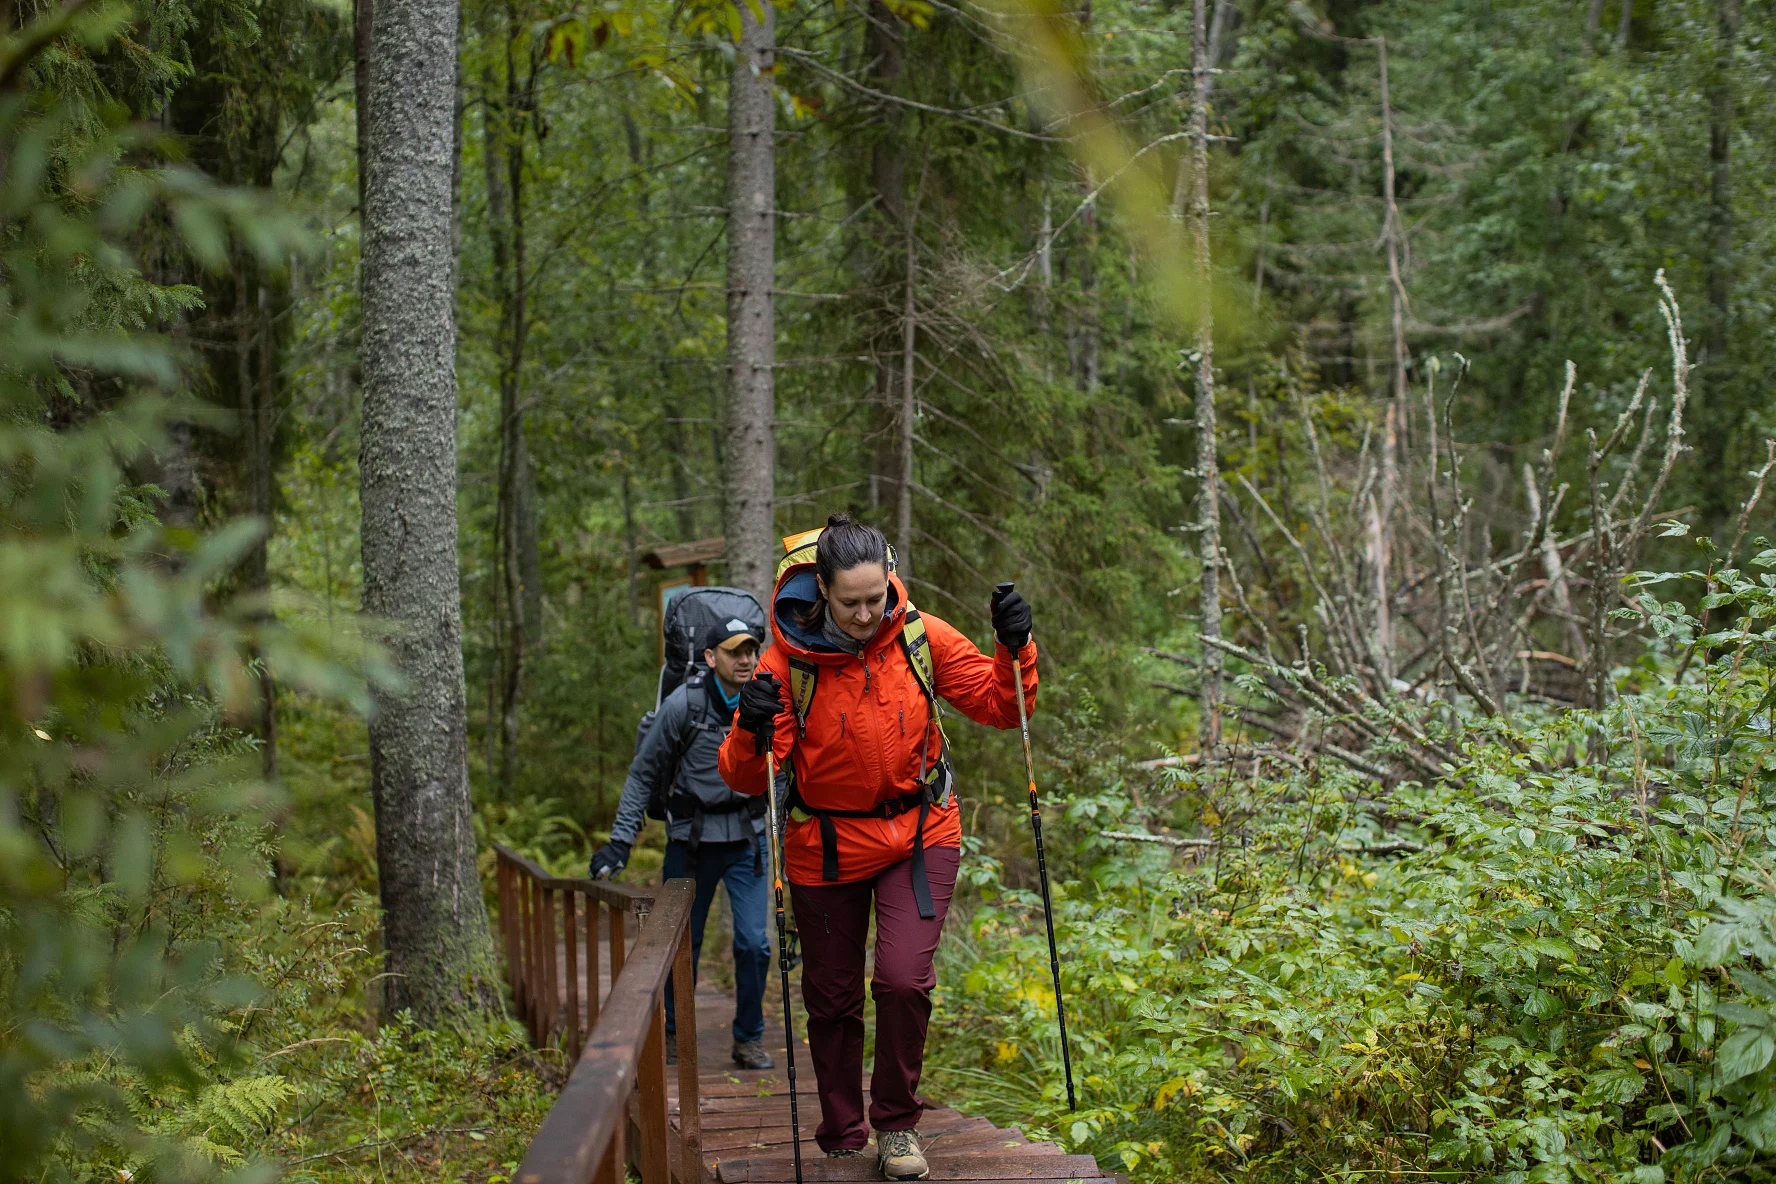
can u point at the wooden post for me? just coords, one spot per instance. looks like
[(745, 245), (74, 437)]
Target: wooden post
[(690, 1116), (503, 879), (610, 1169), (652, 1097), (570, 930), (551, 968), (593, 908), (617, 916), (521, 939), (534, 964)]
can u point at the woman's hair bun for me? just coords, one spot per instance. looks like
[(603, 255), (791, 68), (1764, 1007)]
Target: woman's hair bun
[(840, 518)]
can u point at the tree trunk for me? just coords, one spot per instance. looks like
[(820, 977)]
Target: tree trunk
[(909, 336), (515, 520), (438, 950), (1381, 532), (362, 13), (750, 452), (1720, 415), (259, 401), (884, 55), (1208, 518)]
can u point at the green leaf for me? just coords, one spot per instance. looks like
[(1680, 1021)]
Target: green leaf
[(1743, 1053)]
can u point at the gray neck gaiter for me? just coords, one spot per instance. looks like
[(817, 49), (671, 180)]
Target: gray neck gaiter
[(838, 638)]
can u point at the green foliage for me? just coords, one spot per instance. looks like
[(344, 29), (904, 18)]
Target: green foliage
[(126, 818), (1561, 975)]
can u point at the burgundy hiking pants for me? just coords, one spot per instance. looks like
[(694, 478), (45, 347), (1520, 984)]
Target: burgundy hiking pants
[(833, 920)]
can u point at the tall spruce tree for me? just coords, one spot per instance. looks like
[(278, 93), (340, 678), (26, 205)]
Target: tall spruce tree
[(750, 474), (440, 954)]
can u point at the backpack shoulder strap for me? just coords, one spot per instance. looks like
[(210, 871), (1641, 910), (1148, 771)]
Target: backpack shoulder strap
[(917, 644), (803, 675)]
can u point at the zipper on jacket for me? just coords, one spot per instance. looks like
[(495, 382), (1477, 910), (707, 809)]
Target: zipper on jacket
[(903, 723), (866, 676), (841, 725)]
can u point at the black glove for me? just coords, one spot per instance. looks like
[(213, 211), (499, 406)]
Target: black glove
[(760, 701), (1011, 618), (608, 860)]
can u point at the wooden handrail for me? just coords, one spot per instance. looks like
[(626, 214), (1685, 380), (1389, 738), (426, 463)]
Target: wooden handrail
[(626, 1052), (541, 935), (638, 900)]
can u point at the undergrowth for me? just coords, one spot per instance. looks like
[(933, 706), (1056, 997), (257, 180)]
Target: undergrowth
[(1550, 964)]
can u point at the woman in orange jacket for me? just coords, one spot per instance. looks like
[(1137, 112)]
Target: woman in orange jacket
[(872, 819)]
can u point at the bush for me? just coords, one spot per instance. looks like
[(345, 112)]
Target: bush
[(1548, 964)]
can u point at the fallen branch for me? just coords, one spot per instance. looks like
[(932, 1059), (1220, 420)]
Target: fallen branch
[(356, 1147), (1162, 840)]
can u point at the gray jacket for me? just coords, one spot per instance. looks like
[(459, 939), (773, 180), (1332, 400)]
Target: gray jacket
[(697, 771)]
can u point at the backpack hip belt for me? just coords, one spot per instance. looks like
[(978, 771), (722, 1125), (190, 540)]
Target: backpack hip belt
[(685, 804), (921, 799)]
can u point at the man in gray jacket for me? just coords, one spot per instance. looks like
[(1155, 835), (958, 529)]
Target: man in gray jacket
[(712, 832)]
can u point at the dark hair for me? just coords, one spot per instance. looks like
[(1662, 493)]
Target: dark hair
[(844, 544)]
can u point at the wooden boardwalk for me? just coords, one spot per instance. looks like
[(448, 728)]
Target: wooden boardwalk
[(745, 1113), (746, 1131)]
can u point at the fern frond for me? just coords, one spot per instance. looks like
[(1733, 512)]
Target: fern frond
[(241, 1108)]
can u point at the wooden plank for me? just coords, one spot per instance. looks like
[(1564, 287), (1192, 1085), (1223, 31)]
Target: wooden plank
[(758, 1136), (863, 1167)]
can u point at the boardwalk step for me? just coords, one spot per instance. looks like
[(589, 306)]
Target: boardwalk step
[(943, 1167)]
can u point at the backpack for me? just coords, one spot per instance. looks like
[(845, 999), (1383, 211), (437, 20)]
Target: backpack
[(700, 720), (686, 620), (804, 675)]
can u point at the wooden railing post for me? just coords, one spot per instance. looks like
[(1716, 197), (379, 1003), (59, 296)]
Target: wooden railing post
[(531, 962), (570, 930), (655, 1166), (616, 932), (690, 1114), (593, 907)]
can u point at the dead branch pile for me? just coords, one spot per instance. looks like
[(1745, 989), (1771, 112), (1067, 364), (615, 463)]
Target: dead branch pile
[(1393, 605)]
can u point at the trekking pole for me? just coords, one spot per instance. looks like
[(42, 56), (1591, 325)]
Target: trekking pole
[(795, 1123), (1054, 958)]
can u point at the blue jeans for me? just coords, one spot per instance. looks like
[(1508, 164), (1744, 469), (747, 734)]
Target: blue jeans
[(732, 864)]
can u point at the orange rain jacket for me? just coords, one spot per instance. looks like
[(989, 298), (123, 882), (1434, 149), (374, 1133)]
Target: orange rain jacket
[(862, 740)]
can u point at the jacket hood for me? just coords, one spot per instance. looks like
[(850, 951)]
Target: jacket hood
[(797, 592)]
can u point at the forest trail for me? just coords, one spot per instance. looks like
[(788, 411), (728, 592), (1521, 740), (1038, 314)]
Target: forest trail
[(746, 1127)]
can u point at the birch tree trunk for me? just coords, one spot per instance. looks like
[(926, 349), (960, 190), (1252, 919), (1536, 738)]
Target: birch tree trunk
[(438, 950), (1207, 471), (749, 471)]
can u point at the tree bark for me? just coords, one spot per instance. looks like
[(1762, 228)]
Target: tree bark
[(1208, 509), (362, 13), (438, 950), (749, 469), (909, 335), (516, 543), (884, 55), (1719, 415)]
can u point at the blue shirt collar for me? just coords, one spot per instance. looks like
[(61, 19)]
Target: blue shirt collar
[(729, 702)]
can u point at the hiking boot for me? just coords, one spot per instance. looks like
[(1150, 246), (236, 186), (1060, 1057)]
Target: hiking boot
[(898, 1155), (845, 1153), (671, 1049), (751, 1054)]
